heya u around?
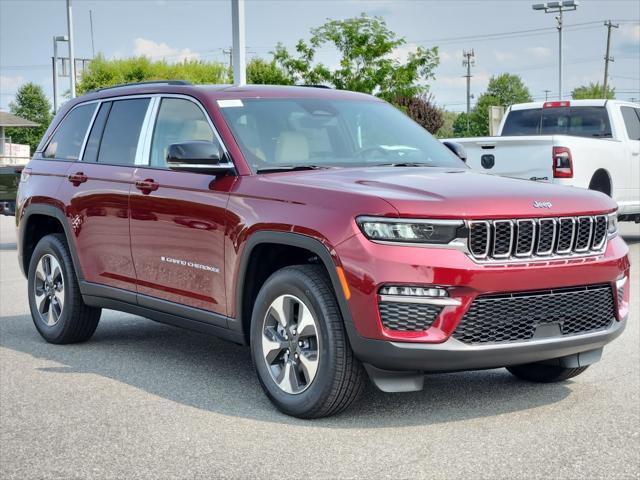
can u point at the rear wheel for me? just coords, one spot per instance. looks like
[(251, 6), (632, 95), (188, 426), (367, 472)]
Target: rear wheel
[(541, 373), (56, 304), (299, 346)]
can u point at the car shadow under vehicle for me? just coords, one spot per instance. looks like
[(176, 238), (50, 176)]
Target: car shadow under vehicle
[(210, 374)]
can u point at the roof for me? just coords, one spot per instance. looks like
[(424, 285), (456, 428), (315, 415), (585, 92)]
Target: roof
[(576, 103), (10, 120), (224, 91)]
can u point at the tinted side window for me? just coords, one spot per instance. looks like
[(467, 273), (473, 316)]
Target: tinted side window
[(120, 137), (178, 121), (93, 142), (631, 118), (522, 122), (67, 141)]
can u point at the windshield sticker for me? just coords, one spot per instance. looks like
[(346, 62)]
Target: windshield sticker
[(230, 103)]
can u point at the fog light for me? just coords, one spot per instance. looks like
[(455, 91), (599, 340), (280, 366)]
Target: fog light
[(414, 291)]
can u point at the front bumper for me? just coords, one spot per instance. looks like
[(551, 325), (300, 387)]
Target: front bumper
[(368, 266), (453, 355)]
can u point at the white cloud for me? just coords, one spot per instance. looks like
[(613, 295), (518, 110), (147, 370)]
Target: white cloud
[(630, 32), (479, 80), (402, 52), (539, 53), (10, 84), (157, 51), (504, 57)]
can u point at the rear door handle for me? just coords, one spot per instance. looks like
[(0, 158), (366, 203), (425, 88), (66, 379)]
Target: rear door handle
[(77, 178), (147, 186)]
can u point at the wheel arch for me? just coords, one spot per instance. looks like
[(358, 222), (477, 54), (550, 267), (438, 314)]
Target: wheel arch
[(601, 175), (245, 293), (49, 219)]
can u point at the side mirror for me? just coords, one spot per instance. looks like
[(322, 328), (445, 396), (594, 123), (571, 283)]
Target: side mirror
[(457, 149), (197, 156)]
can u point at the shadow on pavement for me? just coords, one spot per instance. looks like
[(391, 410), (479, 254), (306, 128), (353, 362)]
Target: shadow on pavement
[(213, 375)]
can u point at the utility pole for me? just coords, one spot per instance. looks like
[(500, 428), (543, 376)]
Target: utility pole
[(469, 61), (228, 51), (607, 57), (546, 94), (93, 47), (559, 8), (72, 58)]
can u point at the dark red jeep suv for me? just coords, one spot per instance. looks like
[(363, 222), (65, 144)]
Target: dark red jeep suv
[(323, 228)]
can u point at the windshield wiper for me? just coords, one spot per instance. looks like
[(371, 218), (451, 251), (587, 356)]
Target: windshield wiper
[(288, 168), (403, 164)]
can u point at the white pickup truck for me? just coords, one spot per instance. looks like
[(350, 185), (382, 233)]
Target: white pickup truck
[(591, 144)]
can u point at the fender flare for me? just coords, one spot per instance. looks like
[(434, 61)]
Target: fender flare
[(295, 240), (608, 175), (58, 214)]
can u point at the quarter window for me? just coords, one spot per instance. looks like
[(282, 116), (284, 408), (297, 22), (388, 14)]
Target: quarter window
[(120, 138), (178, 121), (67, 140), (631, 118)]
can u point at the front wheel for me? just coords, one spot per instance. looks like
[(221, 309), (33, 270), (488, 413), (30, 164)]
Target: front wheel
[(299, 345), (541, 373)]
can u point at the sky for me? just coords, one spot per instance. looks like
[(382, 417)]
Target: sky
[(506, 36)]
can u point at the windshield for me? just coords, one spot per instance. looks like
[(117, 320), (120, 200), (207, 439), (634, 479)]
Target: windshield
[(583, 121), (280, 133)]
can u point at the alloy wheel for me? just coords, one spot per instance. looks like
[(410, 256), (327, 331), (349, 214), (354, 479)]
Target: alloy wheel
[(49, 289), (290, 344)]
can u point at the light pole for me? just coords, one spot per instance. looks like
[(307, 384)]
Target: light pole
[(72, 58), (559, 8), (56, 39)]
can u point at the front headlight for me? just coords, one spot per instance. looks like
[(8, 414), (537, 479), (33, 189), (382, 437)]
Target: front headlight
[(612, 224), (409, 231)]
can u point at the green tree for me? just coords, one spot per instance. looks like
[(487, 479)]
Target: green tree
[(366, 47), (503, 90), (104, 73), (448, 120), (30, 103), (261, 72), (593, 90)]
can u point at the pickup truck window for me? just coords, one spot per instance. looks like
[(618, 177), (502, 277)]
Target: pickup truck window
[(273, 133), (578, 121), (67, 140), (631, 118)]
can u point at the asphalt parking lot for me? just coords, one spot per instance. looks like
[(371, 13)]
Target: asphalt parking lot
[(144, 400)]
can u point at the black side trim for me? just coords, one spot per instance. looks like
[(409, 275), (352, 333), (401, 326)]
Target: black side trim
[(294, 240), (167, 318), (50, 211), (94, 291)]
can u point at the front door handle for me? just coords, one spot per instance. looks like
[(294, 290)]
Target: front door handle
[(77, 178), (147, 186)]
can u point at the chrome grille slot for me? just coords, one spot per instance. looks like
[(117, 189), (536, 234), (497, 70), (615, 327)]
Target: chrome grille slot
[(599, 232), (525, 237), (503, 238), (583, 234), (536, 238), (546, 236)]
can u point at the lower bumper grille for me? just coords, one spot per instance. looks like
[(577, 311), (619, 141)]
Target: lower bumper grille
[(516, 317), (408, 317)]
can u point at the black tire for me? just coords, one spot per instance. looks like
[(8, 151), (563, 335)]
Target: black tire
[(339, 377), (541, 373), (77, 321)]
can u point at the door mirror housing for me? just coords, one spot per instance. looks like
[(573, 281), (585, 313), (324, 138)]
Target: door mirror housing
[(457, 149), (198, 156)]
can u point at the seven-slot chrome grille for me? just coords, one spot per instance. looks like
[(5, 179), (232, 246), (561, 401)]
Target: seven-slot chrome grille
[(536, 238)]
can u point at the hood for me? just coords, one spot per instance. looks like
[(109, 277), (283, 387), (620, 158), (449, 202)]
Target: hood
[(451, 193)]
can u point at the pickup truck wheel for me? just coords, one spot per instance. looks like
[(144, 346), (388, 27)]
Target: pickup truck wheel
[(540, 373), (56, 305), (299, 345)]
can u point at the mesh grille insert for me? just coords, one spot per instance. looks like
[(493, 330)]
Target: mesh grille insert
[(408, 317), (515, 317)]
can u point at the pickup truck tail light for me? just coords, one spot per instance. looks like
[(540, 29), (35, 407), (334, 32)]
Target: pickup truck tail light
[(562, 163)]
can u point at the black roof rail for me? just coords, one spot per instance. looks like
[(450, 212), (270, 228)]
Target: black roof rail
[(150, 82), (315, 86)]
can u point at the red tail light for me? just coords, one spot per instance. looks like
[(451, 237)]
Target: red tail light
[(562, 163), (556, 104)]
